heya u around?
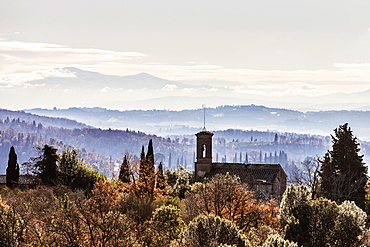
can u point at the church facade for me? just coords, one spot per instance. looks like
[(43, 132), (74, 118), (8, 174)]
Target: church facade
[(266, 179)]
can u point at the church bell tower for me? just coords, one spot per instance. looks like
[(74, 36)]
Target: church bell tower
[(204, 154)]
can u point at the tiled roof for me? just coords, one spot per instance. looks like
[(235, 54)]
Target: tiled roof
[(263, 175), (241, 173), (256, 174)]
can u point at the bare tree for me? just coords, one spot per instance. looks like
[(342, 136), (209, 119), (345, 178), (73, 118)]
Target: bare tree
[(307, 174), (254, 156)]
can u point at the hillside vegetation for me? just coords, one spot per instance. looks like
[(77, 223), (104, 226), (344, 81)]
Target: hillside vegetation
[(104, 148)]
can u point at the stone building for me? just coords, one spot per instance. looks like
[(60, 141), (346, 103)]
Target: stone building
[(267, 179)]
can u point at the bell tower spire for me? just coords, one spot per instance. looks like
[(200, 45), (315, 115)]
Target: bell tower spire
[(204, 117), (203, 163)]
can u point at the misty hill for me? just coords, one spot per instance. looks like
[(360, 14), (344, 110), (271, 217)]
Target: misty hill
[(245, 117), (60, 122), (104, 148)]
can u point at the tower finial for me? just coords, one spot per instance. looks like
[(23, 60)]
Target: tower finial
[(204, 116)]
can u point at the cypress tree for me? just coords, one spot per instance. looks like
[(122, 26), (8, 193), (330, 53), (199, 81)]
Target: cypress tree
[(150, 166), (142, 168), (160, 177), (150, 157), (147, 171), (124, 173), (343, 173), (142, 154), (12, 171), (150, 160)]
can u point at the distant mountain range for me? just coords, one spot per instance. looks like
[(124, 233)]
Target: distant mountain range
[(73, 87), (247, 117)]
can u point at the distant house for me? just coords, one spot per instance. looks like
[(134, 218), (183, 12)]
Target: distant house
[(266, 179)]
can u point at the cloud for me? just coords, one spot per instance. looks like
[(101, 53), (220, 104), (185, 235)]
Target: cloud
[(309, 87), (188, 90), (17, 46), (213, 89), (352, 65), (106, 89), (16, 55), (169, 87), (8, 34), (22, 79), (36, 59)]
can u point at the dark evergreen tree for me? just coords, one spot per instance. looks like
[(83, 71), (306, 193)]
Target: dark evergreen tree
[(327, 177), (160, 177), (47, 165), (12, 171), (124, 173), (150, 157), (343, 173), (142, 162)]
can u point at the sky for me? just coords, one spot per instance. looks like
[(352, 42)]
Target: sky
[(267, 47)]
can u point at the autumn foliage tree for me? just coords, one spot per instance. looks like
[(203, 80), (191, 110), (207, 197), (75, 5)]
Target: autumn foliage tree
[(145, 185), (227, 197), (146, 181), (11, 226), (105, 223)]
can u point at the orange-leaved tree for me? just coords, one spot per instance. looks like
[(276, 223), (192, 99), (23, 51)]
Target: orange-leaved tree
[(227, 197)]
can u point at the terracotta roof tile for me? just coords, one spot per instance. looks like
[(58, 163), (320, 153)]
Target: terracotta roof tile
[(255, 174)]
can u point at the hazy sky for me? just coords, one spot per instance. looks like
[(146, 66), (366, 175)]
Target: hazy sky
[(305, 47)]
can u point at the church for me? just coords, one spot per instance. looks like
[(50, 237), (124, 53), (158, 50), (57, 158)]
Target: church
[(266, 179)]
